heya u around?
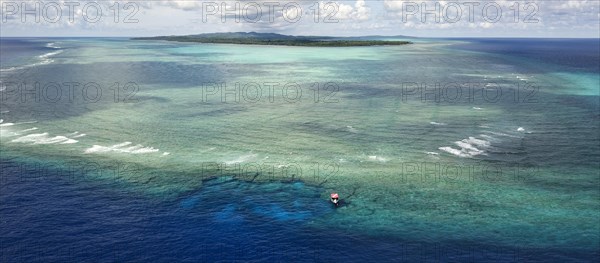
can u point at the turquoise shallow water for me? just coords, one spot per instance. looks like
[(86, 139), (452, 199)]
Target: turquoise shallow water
[(510, 160)]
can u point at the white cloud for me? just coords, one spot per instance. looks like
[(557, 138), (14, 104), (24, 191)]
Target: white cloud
[(359, 12), (353, 17)]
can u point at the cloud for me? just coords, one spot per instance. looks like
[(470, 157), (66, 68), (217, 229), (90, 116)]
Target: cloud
[(347, 17), (563, 16), (183, 5), (359, 12)]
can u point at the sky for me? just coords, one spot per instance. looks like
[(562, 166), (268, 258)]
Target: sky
[(424, 18)]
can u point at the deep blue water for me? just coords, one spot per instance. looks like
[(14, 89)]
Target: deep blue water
[(51, 217), (574, 54), (19, 51)]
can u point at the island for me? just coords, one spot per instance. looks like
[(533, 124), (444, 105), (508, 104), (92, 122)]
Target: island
[(253, 38)]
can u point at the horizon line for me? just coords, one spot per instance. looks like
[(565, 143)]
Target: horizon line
[(407, 36)]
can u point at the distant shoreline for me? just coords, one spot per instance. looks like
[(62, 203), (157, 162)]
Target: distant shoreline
[(275, 40)]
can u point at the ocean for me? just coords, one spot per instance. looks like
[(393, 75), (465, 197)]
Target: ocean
[(446, 150)]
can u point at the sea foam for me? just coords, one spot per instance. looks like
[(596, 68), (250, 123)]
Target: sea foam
[(469, 147), (241, 159), (121, 148), (44, 60), (377, 158), (44, 138)]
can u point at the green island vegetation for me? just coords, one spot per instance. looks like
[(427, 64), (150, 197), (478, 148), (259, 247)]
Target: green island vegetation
[(253, 38)]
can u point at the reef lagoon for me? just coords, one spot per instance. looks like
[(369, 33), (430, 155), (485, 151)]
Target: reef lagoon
[(451, 150)]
